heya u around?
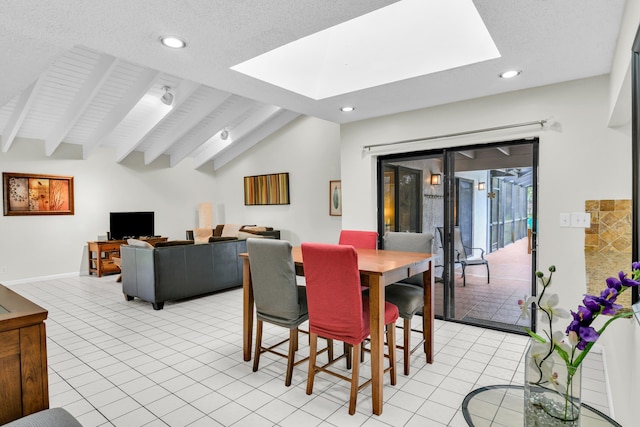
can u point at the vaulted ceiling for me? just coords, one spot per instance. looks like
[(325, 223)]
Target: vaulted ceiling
[(91, 72)]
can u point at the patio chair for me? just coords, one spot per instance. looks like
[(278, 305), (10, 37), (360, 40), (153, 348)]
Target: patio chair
[(463, 253)]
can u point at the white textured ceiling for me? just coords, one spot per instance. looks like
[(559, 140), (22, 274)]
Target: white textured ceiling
[(75, 71)]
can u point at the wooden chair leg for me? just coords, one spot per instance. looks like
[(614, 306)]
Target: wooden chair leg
[(391, 339), (330, 349), (313, 350), (347, 350), (256, 358), (293, 345), (407, 345), (355, 374)]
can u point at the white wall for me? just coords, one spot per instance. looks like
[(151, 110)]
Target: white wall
[(45, 246), (309, 150), (582, 159)]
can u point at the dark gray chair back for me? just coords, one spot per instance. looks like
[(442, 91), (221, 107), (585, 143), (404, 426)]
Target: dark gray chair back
[(409, 242), (278, 298)]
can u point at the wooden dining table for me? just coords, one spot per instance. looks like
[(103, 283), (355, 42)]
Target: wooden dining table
[(378, 268)]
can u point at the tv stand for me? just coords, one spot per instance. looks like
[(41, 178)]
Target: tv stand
[(101, 254)]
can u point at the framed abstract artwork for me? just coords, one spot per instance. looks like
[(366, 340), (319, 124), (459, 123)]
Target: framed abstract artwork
[(270, 189), (34, 194), (335, 198)]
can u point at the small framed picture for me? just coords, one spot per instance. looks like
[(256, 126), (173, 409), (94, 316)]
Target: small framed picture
[(35, 194), (335, 198)]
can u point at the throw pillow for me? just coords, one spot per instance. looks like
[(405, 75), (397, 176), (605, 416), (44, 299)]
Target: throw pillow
[(242, 235), (254, 229), (139, 243), (230, 230), (201, 235), (217, 232)]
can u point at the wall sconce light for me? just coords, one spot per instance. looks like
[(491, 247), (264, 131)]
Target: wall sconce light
[(436, 179), (480, 186)]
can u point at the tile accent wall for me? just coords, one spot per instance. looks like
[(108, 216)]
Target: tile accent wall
[(607, 244)]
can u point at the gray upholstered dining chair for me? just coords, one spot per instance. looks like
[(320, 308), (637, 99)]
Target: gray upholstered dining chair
[(278, 298), (408, 295)]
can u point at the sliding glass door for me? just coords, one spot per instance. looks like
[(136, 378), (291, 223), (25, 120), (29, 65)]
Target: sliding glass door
[(479, 204)]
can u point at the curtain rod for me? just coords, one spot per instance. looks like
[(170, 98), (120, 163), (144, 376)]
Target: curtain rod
[(541, 123)]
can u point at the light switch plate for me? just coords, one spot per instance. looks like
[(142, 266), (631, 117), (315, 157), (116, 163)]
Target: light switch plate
[(580, 220), (565, 220)]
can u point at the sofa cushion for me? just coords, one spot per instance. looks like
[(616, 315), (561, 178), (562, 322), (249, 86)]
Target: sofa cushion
[(201, 235), (139, 243), (230, 230)]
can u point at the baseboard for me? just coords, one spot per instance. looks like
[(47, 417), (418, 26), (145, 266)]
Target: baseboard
[(10, 283)]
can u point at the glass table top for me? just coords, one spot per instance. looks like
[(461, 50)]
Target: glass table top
[(503, 405)]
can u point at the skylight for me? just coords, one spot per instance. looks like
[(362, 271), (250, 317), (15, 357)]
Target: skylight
[(407, 39)]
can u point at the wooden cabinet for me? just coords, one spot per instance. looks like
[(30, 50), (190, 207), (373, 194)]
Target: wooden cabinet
[(101, 254), (24, 385)]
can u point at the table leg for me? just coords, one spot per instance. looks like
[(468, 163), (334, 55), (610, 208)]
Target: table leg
[(376, 310), (428, 319), (247, 310)]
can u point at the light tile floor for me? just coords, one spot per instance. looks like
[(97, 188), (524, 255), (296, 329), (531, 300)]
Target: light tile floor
[(113, 362)]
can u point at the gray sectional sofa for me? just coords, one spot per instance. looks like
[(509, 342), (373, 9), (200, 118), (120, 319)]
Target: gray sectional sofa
[(185, 270)]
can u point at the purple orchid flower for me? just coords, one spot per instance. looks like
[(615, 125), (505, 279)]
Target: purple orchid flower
[(614, 283), (607, 301), (626, 281), (592, 303), (587, 335)]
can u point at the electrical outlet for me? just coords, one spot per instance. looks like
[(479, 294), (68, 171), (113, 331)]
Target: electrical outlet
[(565, 220)]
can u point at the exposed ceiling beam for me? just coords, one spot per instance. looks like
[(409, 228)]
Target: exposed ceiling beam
[(205, 106), (504, 150), (20, 112), (85, 95), (282, 118), (135, 138), (256, 119), (133, 95), (191, 142)]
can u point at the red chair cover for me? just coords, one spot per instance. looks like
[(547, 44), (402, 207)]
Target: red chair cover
[(359, 239), (334, 297)]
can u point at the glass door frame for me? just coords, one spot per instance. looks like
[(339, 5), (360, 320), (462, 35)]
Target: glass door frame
[(447, 155)]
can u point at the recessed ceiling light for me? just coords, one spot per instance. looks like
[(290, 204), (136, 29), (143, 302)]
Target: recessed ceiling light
[(510, 74), (173, 42), (347, 109)]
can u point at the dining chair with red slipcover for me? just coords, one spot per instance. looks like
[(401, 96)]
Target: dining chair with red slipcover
[(337, 310), (360, 239)]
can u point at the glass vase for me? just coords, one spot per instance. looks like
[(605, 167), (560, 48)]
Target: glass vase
[(551, 390)]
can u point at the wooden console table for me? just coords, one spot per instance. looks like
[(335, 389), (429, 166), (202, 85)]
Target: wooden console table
[(23, 357), (101, 254)]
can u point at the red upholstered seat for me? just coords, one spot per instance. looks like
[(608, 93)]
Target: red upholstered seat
[(359, 239), (337, 309)]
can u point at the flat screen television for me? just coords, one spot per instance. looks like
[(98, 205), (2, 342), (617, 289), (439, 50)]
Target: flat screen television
[(130, 225)]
